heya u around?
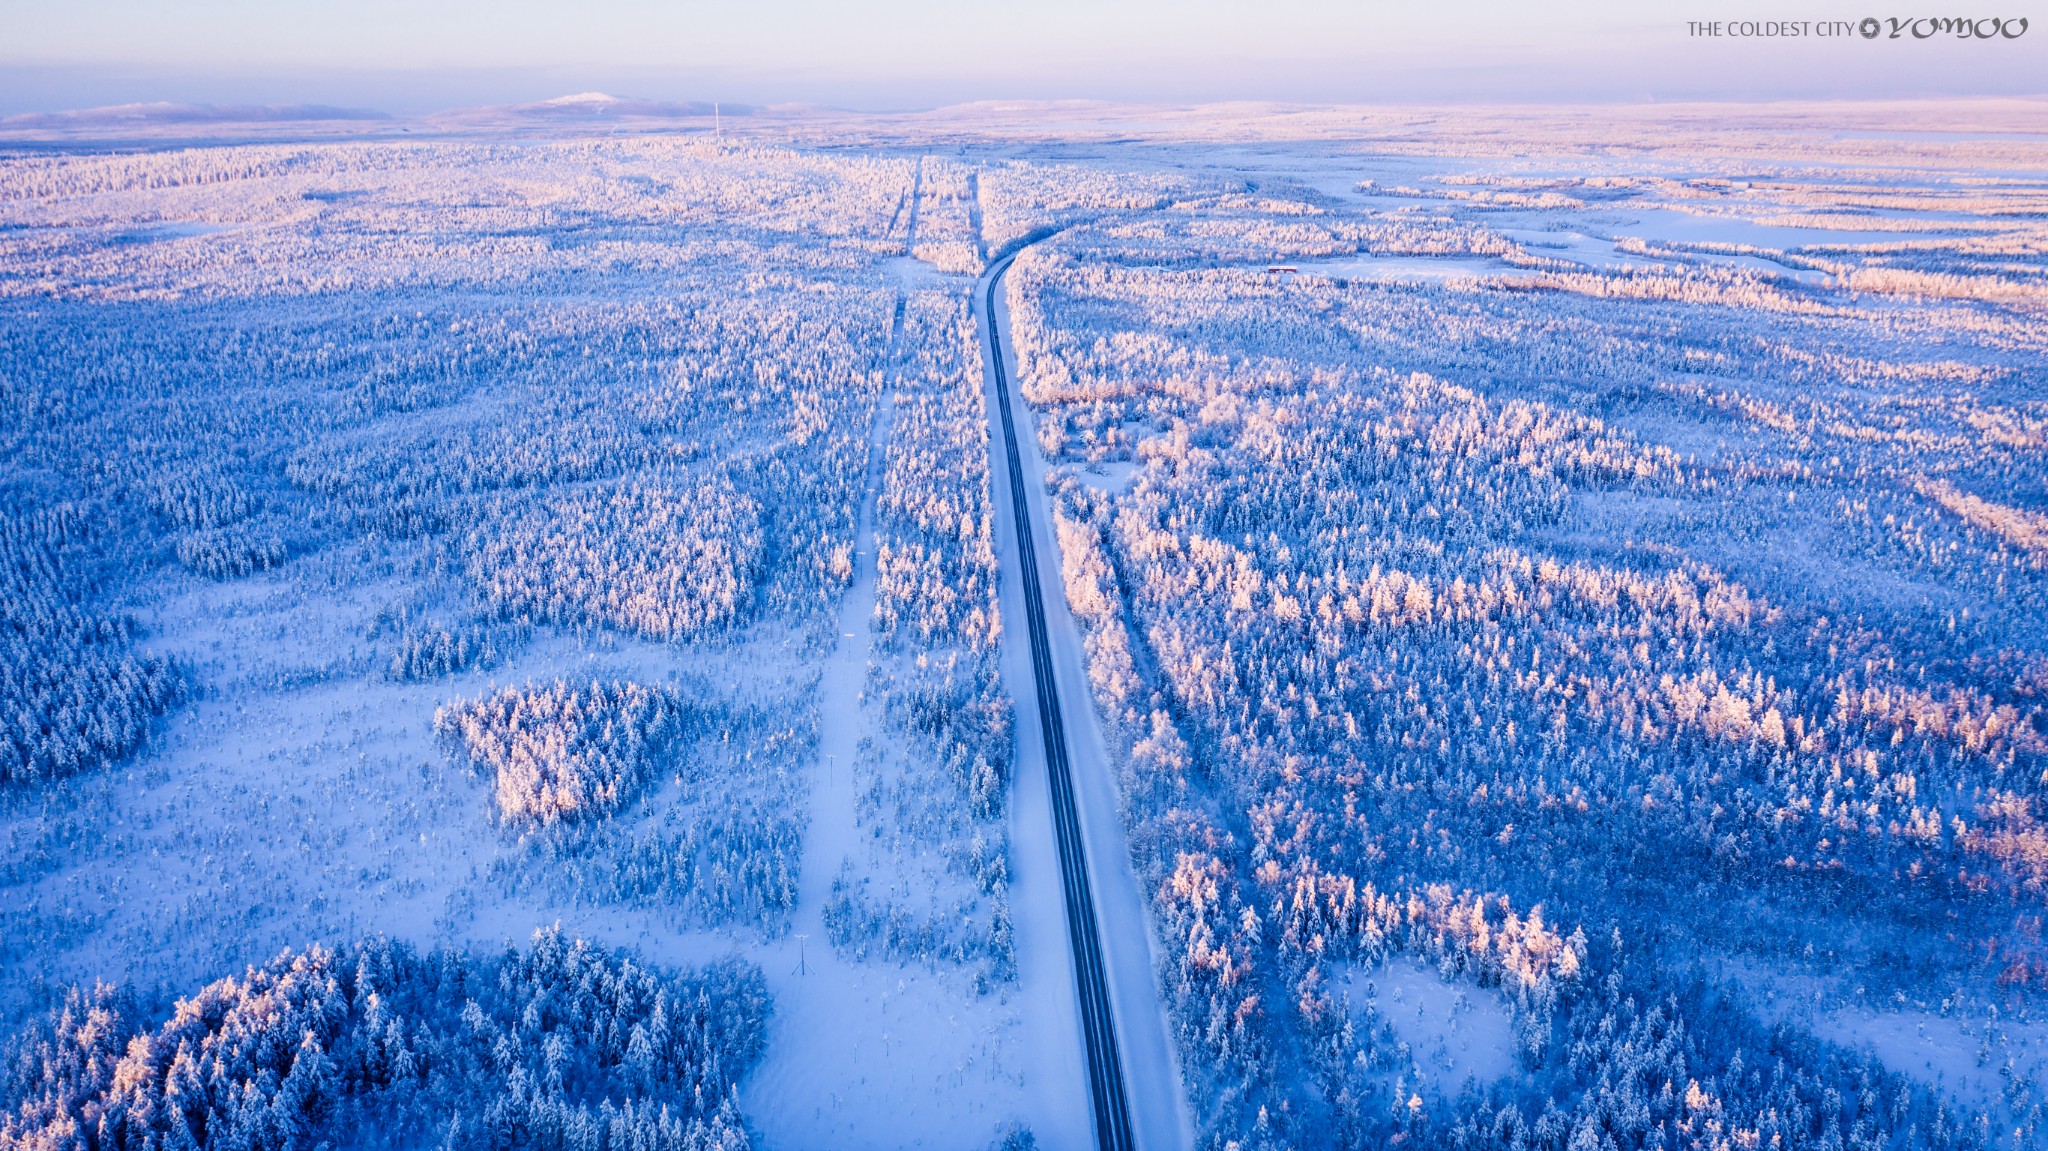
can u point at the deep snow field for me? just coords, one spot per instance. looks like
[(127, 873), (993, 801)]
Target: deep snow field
[(511, 633)]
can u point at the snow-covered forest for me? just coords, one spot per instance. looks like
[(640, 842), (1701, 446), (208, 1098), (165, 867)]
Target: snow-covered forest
[(560, 1045), (440, 544), (1624, 638), (509, 640)]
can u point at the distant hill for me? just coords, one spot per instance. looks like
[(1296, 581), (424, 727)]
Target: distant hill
[(599, 105), (165, 112)]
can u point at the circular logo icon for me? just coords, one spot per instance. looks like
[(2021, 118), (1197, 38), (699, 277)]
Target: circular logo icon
[(1868, 27)]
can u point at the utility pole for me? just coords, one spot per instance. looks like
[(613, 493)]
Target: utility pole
[(717, 124)]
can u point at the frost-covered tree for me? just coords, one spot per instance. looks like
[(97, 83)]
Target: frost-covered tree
[(377, 1045)]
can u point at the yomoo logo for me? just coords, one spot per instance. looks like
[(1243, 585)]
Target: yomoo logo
[(1870, 28), (1961, 27)]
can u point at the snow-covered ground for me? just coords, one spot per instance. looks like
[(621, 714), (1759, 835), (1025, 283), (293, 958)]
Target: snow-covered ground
[(1977, 1055), (1458, 1033), (482, 326), (1975, 1060), (878, 1053), (304, 797)]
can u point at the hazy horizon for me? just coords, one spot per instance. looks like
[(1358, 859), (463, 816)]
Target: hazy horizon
[(913, 55)]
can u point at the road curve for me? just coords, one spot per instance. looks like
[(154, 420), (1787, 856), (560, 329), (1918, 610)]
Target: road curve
[(1107, 1094)]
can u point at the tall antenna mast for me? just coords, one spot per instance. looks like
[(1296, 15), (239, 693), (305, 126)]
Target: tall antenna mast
[(717, 125)]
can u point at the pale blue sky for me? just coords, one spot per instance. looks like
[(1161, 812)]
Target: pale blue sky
[(910, 53)]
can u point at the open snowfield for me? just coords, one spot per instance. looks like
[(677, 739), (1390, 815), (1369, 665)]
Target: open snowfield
[(512, 618), (1459, 1035)]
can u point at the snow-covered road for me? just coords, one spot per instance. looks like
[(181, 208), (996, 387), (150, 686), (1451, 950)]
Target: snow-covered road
[(1135, 1092)]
